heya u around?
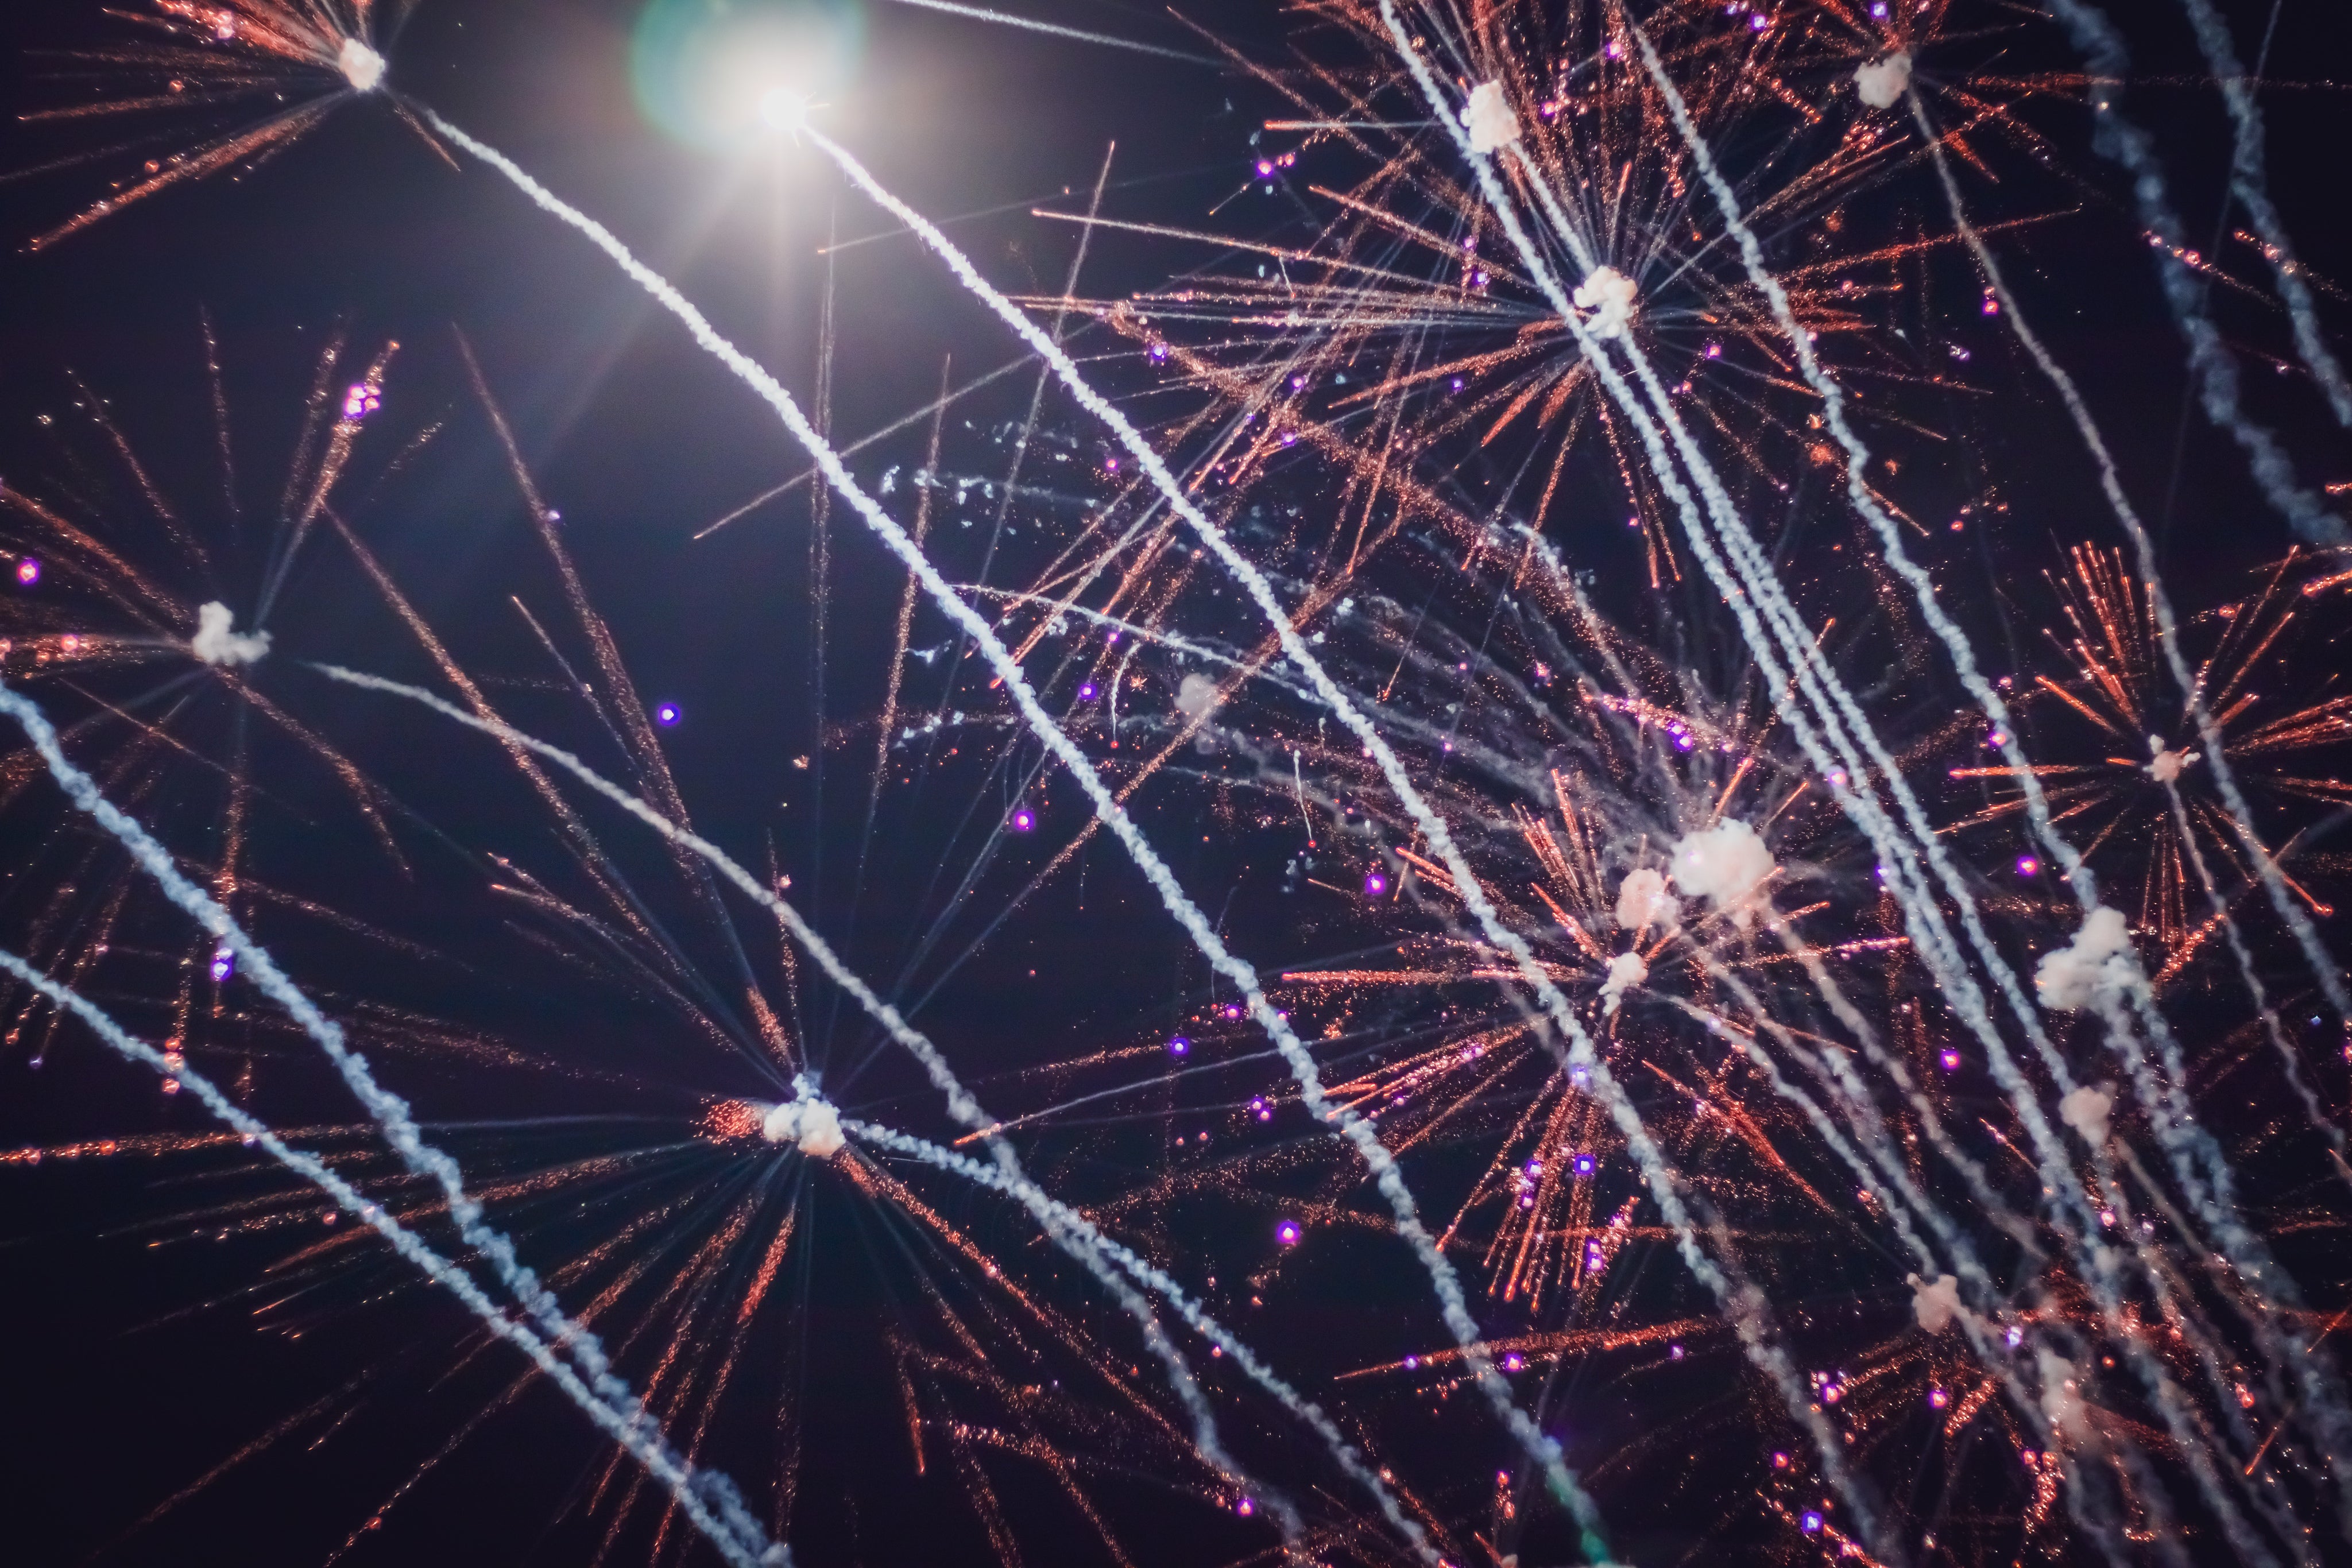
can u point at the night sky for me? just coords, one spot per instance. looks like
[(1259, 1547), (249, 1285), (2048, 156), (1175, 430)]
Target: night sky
[(141, 1356)]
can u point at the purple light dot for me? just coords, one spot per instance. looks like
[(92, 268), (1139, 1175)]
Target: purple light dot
[(1264, 168), (224, 965), (1287, 1233), (1375, 884), (1951, 1060), (1673, 1353), (1023, 820), (666, 714), (1178, 1046), (29, 572), (1514, 1362), (1584, 1164), (1087, 693), (1812, 1523), (1937, 1399), (2027, 865), (1245, 1508)]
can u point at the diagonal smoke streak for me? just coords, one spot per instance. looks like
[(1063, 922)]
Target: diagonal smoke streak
[(2186, 1143), (2323, 1400), (1767, 595), (2328, 973), (1453, 1304), (390, 1111), (1068, 1229), (1554, 1005), (2128, 145), (729, 1526), (2253, 193)]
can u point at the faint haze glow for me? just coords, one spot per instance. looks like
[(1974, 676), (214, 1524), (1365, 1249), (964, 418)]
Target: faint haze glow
[(720, 74)]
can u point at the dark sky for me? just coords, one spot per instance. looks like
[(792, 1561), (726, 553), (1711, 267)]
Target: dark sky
[(133, 1368)]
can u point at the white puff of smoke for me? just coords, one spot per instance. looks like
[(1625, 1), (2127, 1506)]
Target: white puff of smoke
[(362, 66), (214, 644), (2169, 765), (1626, 971), (1882, 83), (2085, 1110), (2097, 964), (1642, 902), (1489, 117), (813, 1124), (1935, 1302), (1195, 695), (1609, 295), (1727, 863), (2061, 1394)]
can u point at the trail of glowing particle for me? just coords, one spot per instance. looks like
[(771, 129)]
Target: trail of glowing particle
[(1921, 913), (1387, 1177), (1054, 29), (737, 1537), (2323, 967), (1923, 587), (2161, 1384), (1051, 1214), (2216, 368), (1392, 769), (1008, 1176), (2176, 1130), (1998, 1363), (2253, 193), (1432, 826), (2175, 1125), (2211, 1482), (2185, 1143), (2277, 1036), (960, 1103), (2320, 1398), (390, 1111)]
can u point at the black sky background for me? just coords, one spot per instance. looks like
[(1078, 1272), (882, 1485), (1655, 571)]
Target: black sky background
[(114, 1392)]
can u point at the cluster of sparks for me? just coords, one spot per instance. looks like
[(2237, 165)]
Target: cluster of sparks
[(1698, 1089)]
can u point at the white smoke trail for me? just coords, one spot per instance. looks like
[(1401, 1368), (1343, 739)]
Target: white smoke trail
[(2174, 1120), (1007, 1176), (1433, 826), (2324, 967), (1054, 29), (2288, 1059), (1922, 915), (1051, 1214), (2322, 1401), (1453, 1304), (2183, 1140), (704, 1497), (389, 1111), (2216, 367), (2253, 193)]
